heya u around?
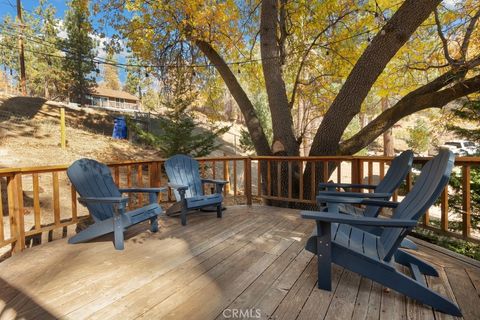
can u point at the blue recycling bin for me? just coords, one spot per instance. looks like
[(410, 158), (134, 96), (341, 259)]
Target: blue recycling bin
[(119, 128)]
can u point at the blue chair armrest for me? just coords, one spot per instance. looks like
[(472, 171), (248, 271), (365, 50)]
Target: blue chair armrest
[(380, 203), (355, 194), (346, 185), (144, 190), (179, 187), (357, 220), (218, 184), (338, 198), (214, 181), (104, 200)]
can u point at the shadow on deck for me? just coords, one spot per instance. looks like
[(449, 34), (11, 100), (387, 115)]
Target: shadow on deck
[(249, 264)]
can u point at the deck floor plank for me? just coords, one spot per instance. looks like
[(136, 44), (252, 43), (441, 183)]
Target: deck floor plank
[(363, 297), (317, 304), (465, 292), (343, 301), (132, 291), (292, 304), (262, 284), (93, 287), (226, 287), (374, 302), (252, 260), (140, 300)]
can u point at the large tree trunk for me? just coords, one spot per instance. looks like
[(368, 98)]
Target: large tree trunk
[(366, 71), (369, 66), (284, 141), (253, 124)]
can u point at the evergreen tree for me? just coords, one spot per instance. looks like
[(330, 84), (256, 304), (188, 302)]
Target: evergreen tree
[(470, 112), (419, 138), (8, 49), (79, 50), (178, 131), (45, 69), (111, 80), (43, 61)]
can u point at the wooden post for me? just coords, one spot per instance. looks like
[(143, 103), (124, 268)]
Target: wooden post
[(444, 210), (63, 136), (2, 233), (466, 199), (247, 164), (408, 181), (15, 208), (226, 175), (356, 174)]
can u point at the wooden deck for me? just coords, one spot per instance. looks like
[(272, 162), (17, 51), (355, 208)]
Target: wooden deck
[(250, 263)]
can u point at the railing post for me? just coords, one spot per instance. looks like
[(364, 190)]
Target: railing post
[(247, 170), (15, 208), (63, 135), (408, 181), (444, 210), (226, 176), (466, 199), (356, 175)]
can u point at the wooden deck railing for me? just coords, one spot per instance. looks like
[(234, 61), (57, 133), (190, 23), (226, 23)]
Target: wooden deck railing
[(41, 204)]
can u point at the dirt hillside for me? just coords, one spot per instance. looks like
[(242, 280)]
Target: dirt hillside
[(30, 135)]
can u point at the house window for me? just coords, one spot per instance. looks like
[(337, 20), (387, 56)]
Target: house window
[(119, 102)]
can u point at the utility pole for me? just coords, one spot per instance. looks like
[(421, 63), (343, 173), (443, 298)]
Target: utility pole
[(23, 77)]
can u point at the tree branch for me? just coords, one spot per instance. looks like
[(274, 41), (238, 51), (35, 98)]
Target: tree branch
[(443, 39), (405, 107), (468, 34), (282, 24), (253, 124), (383, 47), (307, 52)]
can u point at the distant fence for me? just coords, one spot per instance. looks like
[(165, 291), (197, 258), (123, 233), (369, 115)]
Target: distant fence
[(39, 204)]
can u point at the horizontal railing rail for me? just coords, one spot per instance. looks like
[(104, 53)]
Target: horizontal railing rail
[(39, 204)]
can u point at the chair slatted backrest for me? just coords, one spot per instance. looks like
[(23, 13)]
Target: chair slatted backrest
[(397, 172), (426, 190), (394, 177), (182, 169), (93, 179)]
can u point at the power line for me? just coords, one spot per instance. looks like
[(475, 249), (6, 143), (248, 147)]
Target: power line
[(98, 60)]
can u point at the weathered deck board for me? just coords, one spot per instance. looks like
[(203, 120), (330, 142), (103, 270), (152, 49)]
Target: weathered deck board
[(251, 260)]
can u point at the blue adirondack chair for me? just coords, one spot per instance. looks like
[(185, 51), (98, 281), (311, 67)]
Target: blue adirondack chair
[(98, 192), (183, 174), (399, 168), (397, 172), (338, 239)]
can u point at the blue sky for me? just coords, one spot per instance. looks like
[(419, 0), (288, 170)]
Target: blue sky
[(8, 7)]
